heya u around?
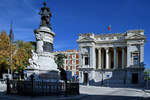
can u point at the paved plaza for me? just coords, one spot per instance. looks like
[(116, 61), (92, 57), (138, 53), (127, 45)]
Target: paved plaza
[(108, 93), (2, 87)]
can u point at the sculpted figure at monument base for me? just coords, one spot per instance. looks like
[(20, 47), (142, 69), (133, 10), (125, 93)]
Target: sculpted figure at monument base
[(33, 61)]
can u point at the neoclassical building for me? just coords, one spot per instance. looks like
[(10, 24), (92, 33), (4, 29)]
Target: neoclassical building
[(116, 58)]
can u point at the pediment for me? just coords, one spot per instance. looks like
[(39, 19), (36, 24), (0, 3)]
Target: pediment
[(135, 36)]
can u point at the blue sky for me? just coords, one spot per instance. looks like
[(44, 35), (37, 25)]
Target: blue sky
[(71, 17)]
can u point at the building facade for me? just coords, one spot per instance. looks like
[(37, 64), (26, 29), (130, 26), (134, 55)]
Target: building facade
[(111, 58), (71, 62)]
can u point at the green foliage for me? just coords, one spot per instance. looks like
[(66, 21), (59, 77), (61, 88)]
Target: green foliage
[(59, 59), (22, 55), (145, 75), (21, 52), (4, 52)]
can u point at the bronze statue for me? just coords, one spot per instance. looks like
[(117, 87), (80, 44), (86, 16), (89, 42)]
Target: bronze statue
[(63, 74), (45, 16)]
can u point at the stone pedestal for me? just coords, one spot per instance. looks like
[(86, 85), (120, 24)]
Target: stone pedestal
[(42, 62)]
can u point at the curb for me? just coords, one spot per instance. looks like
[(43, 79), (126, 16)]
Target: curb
[(148, 91)]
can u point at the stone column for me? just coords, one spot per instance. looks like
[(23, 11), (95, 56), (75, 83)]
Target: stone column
[(129, 56), (115, 58), (99, 59), (142, 54), (102, 60), (107, 58), (123, 57), (92, 57), (110, 60)]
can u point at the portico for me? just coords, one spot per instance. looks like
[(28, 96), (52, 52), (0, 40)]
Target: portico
[(108, 56)]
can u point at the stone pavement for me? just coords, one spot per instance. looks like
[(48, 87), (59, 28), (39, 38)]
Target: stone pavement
[(109, 93), (93, 90), (2, 87)]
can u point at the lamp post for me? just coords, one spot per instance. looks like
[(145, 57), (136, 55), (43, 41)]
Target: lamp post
[(11, 59)]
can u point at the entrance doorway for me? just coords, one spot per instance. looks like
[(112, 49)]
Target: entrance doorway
[(85, 78), (135, 78)]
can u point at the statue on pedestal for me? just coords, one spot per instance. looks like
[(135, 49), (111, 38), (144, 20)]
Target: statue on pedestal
[(45, 16), (42, 62)]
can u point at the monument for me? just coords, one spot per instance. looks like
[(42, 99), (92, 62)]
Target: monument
[(42, 62)]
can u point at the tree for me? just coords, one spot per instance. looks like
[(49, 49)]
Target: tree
[(146, 74), (59, 59), (4, 52), (22, 55), (21, 52)]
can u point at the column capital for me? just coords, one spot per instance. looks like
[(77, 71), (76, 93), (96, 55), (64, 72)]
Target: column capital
[(114, 47), (106, 48), (123, 47), (99, 48)]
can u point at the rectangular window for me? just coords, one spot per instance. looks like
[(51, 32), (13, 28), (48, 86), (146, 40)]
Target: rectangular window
[(86, 61), (73, 56), (73, 61), (135, 59), (81, 74), (77, 67), (68, 57), (77, 56), (70, 61), (103, 38), (77, 61), (74, 67), (70, 67), (66, 67), (77, 72)]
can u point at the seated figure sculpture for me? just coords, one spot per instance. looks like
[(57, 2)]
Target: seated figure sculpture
[(33, 61)]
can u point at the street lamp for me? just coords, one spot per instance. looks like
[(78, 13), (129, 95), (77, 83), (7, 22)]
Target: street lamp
[(11, 69)]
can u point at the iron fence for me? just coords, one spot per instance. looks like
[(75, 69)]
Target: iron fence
[(41, 88)]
